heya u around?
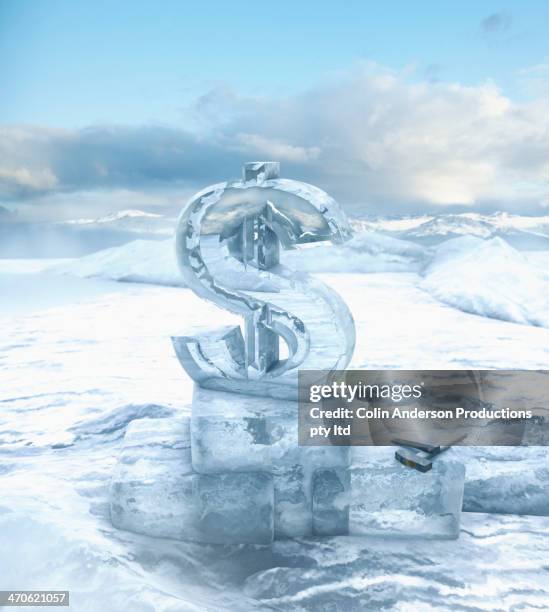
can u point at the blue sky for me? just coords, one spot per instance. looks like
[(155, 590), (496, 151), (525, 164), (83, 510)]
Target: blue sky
[(224, 81), (67, 63)]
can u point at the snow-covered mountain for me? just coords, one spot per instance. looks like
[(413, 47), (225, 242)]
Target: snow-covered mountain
[(81, 236), (489, 278), (525, 232), (129, 220)]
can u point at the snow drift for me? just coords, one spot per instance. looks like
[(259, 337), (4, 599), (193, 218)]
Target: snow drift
[(488, 278), (152, 261), (484, 277), (139, 261)]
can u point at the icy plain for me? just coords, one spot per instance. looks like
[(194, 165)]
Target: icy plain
[(87, 356)]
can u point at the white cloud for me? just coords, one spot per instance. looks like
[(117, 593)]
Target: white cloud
[(369, 136), (378, 136), (276, 149), (20, 177)]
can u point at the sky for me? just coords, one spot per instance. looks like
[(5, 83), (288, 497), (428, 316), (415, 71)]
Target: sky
[(394, 107)]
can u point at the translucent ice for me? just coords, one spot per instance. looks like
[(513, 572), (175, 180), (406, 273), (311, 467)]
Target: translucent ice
[(389, 499), (506, 480), (155, 492), (331, 496), (236, 432), (235, 507), (240, 433)]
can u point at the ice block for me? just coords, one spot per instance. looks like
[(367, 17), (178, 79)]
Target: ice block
[(389, 499), (231, 432), (236, 432), (155, 492), (506, 480)]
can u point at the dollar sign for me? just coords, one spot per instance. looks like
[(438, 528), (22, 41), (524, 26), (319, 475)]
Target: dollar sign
[(228, 241)]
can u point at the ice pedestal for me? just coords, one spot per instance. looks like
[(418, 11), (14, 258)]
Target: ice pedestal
[(232, 432), (389, 499), (152, 483), (236, 432), (154, 491), (234, 473)]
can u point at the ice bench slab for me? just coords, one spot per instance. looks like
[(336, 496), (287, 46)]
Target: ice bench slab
[(389, 499), (155, 492), (505, 479)]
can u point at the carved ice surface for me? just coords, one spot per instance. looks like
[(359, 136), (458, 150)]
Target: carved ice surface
[(235, 507), (246, 222), (293, 503), (155, 492), (389, 499)]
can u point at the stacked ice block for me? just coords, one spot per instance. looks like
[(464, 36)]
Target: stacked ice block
[(234, 473)]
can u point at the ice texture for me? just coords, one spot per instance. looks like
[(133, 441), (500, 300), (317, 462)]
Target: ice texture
[(251, 220), (151, 489), (60, 447), (389, 499), (241, 433), (292, 494), (331, 498), (155, 492), (235, 508), (506, 480), (237, 432)]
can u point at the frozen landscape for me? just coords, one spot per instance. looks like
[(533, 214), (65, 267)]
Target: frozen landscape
[(86, 349)]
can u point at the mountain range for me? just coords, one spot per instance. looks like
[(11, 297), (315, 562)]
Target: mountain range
[(76, 237), (523, 232)]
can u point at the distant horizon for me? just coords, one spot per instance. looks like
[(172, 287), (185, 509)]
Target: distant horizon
[(15, 215)]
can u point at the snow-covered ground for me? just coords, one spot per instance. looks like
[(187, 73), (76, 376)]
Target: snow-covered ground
[(87, 356), (489, 278), (137, 221), (485, 277)]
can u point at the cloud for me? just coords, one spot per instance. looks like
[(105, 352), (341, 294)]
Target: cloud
[(35, 161), (276, 149), (496, 22), (27, 179), (374, 138)]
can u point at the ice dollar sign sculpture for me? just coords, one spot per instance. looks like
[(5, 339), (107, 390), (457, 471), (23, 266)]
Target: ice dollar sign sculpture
[(228, 241)]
